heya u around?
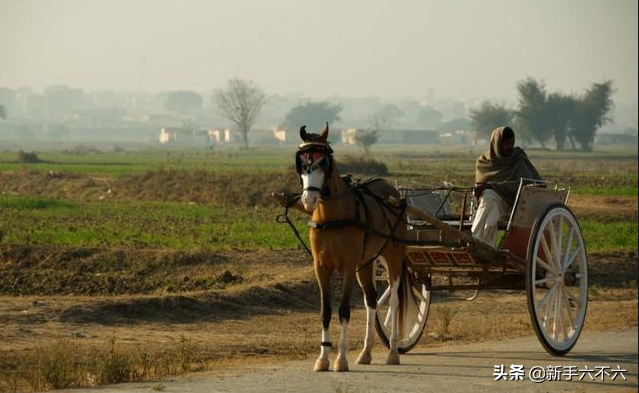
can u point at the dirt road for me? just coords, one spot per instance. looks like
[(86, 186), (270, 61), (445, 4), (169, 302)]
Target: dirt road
[(453, 368)]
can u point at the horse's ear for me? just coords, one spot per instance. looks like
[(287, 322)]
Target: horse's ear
[(303, 133), (324, 134)]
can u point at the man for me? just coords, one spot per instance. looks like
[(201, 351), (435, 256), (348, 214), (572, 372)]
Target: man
[(497, 177)]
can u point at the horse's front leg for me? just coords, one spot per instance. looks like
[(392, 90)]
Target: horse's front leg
[(324, 281), (341, 364)]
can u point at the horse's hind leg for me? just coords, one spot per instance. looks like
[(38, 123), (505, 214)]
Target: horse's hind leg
[(394, 275), (341, 364), (324, 281), (365, 278)]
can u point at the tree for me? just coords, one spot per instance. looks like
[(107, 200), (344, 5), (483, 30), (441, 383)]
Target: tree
[(559, 112), (590, 113), (368, 137), (189, 127), (391, 113), (312, 114), (532, 104), (182, 102), (429, 117), (488, 117), (240, 103)]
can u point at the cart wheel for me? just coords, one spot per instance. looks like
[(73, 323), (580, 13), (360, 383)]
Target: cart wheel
[(414, 304), (473, 295), (557, 280)]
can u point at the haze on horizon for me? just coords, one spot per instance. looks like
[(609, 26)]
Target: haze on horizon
[(461, 48)]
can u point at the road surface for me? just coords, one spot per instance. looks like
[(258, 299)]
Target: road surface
[(453, 368)]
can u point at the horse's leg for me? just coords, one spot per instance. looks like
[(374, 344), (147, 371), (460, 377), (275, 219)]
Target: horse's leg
[(324, 281), (341, 364), (365, 278), (394, 275)]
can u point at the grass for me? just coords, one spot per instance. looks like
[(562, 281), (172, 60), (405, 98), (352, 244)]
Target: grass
[(609, 236), (155, 225), (118, 164), (46, 221), (65, 363), (623, 190), (33, 203)]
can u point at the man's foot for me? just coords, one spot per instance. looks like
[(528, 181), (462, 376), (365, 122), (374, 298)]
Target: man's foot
[(284, 199)]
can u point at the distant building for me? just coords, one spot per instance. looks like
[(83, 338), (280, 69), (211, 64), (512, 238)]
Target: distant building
[(410, 137), (459, 137), (169, 134), (219, 136), (349, 136), (279, 135)]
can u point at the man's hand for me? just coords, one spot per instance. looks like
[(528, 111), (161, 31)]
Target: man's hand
[(284, 199)]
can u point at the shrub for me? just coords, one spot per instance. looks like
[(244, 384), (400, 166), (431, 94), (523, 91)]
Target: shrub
[(28, 158), (358, 164)]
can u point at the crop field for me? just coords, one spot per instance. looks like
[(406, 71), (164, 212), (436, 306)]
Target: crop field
[(128, 265)]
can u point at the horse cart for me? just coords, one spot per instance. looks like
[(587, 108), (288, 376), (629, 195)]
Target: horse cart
[(541, 250)]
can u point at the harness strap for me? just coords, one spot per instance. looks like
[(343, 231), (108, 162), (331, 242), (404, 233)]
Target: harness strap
[(392, 236), (287, 220), (356, 222)]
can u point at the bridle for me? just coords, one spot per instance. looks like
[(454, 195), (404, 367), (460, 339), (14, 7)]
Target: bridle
[(311, 156)]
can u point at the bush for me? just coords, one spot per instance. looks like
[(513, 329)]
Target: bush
[(28, 158), (358, 164)]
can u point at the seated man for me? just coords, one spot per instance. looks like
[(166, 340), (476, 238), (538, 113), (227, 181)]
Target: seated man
[(497, 177)]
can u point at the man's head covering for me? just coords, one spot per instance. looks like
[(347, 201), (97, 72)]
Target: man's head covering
[(493, 167)]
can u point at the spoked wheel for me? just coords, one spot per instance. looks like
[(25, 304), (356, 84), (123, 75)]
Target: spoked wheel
[(557, 280), (414, 304), (472, 294)]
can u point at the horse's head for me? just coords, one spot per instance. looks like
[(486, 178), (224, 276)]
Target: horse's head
[(313, 162)]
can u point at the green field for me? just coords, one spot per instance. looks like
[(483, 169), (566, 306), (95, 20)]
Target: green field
[(184, 199)]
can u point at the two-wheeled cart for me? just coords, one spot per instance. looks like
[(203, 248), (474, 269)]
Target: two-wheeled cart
[(542, 251)]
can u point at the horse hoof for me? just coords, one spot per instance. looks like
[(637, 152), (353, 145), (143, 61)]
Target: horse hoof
[(340, 364), (364, 358), (393, 358), (321, 365)]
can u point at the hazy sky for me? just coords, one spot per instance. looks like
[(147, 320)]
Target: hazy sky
[(460, 48)]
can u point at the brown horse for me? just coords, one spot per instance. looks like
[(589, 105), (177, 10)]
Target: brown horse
[(349, 229)]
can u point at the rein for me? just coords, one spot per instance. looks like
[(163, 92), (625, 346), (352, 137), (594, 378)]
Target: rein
[(283, 219), (356, 222)]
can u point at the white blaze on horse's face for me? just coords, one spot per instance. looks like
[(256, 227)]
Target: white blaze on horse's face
[(312, 179)]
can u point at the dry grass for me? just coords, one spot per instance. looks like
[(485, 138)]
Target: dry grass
[(67, 363), (214, 188), (604, 209)]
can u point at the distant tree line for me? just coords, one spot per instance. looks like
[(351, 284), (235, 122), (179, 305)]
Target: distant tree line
[(547, 118), (544, 117)]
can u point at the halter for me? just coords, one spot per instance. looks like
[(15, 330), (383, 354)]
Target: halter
[(311, 156)]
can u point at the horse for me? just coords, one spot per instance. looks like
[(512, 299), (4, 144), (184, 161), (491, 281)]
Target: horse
[(349, 229)]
